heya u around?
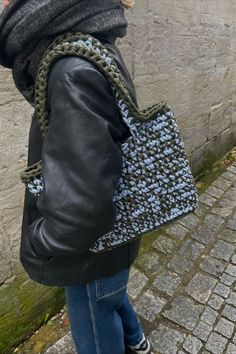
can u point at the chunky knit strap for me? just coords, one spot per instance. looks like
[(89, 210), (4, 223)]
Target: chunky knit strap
[(90, 48)]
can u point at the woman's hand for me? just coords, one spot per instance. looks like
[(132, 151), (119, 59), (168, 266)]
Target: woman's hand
[(6, 2)]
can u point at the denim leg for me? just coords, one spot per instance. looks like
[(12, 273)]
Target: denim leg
[(96, 326), (133, 332)]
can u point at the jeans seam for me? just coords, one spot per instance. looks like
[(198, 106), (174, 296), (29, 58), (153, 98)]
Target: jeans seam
[(93, 321), (111, 293)]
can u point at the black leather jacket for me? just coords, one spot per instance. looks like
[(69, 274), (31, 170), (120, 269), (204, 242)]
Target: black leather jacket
[(82, 163)]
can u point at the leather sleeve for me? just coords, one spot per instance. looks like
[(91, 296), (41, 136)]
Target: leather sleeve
[(81, 163)]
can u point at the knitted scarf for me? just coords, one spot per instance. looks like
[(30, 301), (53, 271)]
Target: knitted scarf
[(27, 27)]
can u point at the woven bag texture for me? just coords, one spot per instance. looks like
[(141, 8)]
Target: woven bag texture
[(156, 185)]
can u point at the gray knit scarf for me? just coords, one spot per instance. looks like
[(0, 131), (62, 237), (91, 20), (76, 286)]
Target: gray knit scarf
[(27, 27)]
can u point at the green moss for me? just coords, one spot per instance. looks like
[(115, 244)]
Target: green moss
[(23, 306)]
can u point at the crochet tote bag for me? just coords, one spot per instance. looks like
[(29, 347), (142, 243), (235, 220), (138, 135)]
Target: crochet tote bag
[(156, 185)]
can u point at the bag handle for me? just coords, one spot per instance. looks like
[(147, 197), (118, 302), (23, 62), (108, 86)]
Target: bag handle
[(95, 52)]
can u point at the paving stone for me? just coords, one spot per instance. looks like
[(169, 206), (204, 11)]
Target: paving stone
[(215, 301), (231, 349), (203, 234), (223, 250), (222, 290), (214, 191), (213, 222), (231, 194), (202, 330), (233, 259), (167, 282), (164, 244), (64, 345), (185, 312), (227, 235), (207, 199), (227, 279), (149, 305), (231, 270), (177, 230), (231, 224), (213, 266), (205, 352), (200, 287), (209, 315), (224, 327), (166, 340), (224, 212), (180, 264), (216, 343), (150, 262), (232, 169), (234, 338), (231, 299), (229, 312), (137, 281), (201, 210), (190, 221), (222, 183), (192, 344), (229, 176), (191, 249)]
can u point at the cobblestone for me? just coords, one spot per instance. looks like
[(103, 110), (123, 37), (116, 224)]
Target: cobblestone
[(216, 343), (203, 234), (202, 330), (180, 264), (167, 282), (164, 244), (215, 301), (213, 266), (224, 327), (200, 287), (229, 312), (222, 250), (185, 312), (231, 349), (192, 345), (222, 290), (177, 230), (149, 305), (165, 340)]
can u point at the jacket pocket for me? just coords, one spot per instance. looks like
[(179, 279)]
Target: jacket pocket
[(109, 286)]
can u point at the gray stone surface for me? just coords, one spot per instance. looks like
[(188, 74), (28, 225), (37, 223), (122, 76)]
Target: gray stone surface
[(216, 301), (216, 343), (202, 330), (185, 312), (200, 287), (222, 250), (164, 244), (149, 305), (137, 280), (192, 345), (224, 327), (213, 266), (167, 282), (165, 340)]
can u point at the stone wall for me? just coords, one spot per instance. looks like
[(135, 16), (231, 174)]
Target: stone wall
[(181, 51)]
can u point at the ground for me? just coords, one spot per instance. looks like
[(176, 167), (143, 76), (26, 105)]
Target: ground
[(183, 284)]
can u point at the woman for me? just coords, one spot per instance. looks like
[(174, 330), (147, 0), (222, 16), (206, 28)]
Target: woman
[(82, 163)]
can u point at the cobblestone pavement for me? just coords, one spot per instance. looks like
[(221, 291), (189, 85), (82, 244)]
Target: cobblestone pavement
[(183, 285)]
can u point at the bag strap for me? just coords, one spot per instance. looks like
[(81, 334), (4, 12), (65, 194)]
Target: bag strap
[(86, 46)]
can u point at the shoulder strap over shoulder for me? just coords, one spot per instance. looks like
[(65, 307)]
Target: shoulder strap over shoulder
[(86, 46)]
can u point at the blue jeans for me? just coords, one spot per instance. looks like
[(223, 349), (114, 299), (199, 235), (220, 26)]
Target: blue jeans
[(102, 320)]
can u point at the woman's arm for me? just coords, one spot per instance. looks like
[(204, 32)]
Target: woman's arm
[(81, 162)]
